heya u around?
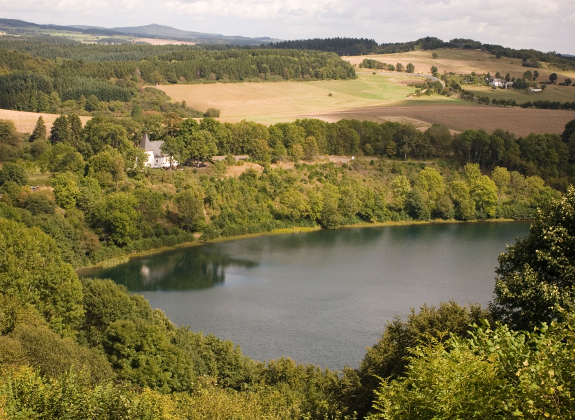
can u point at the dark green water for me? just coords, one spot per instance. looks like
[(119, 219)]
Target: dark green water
[(319, 297)]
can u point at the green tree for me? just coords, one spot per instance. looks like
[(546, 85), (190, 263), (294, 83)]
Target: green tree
[(107, 167), (410, 68), (296, 152), (114, 217), (433, 69), (201, 145), (190, 204), (12, 172), (536, 276), (66, 189), (400, 187), (496, 374), (387, 359), (431, 181), (32, 271), (136, 111), (502, 178), (175, 147), (310, 149), (399, 67), (142, 353), (40, 132), (553, 78), (330, 215), (7, 131), (75, 129), (62, 157), (434, 55), (60, 131), (292, 204), (106, 302)]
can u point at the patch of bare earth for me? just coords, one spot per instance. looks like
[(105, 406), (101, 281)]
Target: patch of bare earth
[(461, 117), (236, 171)]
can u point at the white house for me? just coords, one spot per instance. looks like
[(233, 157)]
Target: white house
[(502, 83), (156, 158)]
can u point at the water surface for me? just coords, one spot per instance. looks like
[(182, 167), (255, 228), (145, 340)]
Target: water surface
[(319, 297)]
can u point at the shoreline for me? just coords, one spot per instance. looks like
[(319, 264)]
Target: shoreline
[(112, 262)]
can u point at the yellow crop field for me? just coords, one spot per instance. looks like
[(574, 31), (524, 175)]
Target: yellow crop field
[(26, 121), (269, 102)]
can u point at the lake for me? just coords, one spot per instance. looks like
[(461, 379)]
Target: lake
[(320, 297)]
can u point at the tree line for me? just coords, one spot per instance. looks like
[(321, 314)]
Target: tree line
[(115, 206)]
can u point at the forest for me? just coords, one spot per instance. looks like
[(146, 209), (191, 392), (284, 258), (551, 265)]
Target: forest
[(41, 76), (360, 46)]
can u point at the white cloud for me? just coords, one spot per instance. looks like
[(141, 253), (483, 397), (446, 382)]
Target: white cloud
[(526, 24)]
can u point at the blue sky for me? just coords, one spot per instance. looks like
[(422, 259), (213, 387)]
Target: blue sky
[(546, 26)]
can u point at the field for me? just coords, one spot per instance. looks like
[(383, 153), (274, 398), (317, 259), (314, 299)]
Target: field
[(463, 61), (267, 101), (371, 97), (552, 93), (460, 117), (153, 41), (26, 121)]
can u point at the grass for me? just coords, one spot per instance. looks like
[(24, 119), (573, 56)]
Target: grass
[(267, 102)]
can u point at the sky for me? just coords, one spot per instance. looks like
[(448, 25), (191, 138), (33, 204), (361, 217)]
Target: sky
[(545, 26)]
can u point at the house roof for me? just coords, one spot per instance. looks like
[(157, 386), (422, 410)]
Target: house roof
[(152, 146)]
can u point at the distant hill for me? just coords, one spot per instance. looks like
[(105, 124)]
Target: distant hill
[(162, 31), (20, 27)]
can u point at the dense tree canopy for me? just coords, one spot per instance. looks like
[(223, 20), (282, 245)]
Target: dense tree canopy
[(536, 276)]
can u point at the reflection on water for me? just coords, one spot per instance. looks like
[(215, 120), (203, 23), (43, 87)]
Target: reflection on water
[(319, 297), (189, 269)]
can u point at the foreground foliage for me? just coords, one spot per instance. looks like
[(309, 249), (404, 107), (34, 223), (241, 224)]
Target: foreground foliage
[(496, 374), (536, 276)]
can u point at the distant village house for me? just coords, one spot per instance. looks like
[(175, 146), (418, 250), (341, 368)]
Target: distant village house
[(502, 83), (156, 158)]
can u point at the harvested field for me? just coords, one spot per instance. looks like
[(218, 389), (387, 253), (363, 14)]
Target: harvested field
[(462, 61), (460, 117), (280, 99), (26, 121)]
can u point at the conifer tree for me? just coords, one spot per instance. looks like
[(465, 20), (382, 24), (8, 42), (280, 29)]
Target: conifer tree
[(60, 132), (40, 131)]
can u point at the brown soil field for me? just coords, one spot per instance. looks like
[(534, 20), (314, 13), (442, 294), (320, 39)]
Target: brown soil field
[(461, 117), (462, 61), (26, 121)]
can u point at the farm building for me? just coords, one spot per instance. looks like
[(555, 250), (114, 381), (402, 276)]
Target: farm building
[(502, 83), (156, 158)]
